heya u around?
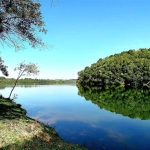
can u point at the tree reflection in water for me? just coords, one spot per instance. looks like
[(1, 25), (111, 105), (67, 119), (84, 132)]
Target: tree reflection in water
[(131, 102)]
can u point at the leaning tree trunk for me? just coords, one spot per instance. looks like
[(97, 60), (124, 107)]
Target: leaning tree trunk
[(20, 74), (13, 88)]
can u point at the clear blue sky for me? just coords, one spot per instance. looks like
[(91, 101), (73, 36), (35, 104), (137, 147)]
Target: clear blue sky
[(82, 31)]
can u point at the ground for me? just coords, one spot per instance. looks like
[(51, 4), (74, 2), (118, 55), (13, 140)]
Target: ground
[(19, 132)]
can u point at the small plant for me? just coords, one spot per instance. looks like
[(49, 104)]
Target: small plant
[(15, 97)]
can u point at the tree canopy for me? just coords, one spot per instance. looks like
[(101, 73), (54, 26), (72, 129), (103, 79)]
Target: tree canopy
[(19, 21), (130, 68)]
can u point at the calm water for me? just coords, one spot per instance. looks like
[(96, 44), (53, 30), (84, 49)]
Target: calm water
[(80, 121)]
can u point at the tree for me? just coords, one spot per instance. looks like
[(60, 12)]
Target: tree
[(19, 21), (3, 68), (130, 68), (25, 70)]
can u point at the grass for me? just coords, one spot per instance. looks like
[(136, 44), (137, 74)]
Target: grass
[(19, 132)]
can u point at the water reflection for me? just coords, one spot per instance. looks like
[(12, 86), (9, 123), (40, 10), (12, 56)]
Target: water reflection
[(131, 102), (80, 121), (2, 86)]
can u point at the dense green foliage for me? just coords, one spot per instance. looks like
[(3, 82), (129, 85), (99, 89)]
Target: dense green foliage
[(132, 102), (128, 68), (29, 81)]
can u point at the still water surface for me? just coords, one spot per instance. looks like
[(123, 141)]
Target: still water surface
[(80, 121)]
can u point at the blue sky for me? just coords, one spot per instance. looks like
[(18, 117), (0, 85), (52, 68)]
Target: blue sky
[(82, 31)]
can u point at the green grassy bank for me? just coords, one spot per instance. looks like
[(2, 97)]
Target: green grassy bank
[(19, 132)]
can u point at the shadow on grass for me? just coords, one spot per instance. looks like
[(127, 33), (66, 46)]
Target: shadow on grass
[(10, 110)]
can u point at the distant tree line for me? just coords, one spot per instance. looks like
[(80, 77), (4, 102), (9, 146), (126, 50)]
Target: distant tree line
[(30, 81), (130, 68)]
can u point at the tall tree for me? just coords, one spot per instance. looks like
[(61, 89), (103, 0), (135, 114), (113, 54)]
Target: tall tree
[(19, 21)]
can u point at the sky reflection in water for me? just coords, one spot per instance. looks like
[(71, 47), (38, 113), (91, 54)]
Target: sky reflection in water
[(80, 121)]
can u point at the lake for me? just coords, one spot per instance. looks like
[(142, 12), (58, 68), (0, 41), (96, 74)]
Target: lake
[(116, 120)]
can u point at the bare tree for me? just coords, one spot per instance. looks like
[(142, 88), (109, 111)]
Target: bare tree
[(25, 70)]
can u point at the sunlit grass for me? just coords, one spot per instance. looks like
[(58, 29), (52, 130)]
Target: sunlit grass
[(17, 131)]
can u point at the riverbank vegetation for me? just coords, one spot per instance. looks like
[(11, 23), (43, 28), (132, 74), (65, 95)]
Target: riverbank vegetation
[(30, 81), (17, 131), (131, 102), (129, 68)]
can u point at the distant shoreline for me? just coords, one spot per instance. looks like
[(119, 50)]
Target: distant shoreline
[(29, 81)]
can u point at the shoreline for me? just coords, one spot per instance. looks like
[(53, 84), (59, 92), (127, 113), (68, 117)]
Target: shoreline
[(18, 131)]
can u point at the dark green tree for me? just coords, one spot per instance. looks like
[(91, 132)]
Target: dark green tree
[(130, 68)]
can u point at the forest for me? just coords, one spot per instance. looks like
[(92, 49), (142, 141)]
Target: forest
[(129, 68)]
